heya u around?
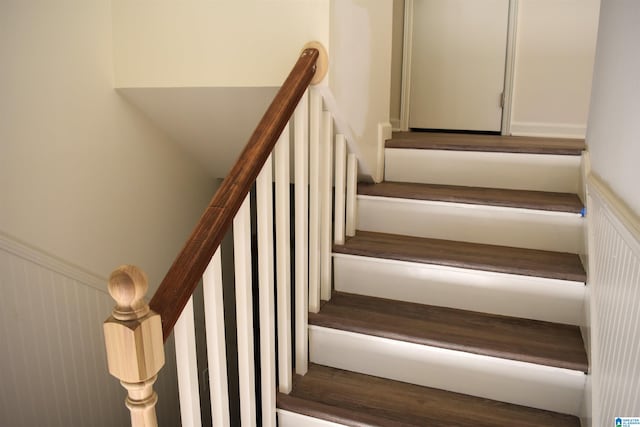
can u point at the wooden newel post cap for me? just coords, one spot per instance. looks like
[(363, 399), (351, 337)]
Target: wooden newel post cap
[(133, 333), (128, 285)]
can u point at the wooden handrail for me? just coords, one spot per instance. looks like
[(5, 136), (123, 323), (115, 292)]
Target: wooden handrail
[(183, 276)]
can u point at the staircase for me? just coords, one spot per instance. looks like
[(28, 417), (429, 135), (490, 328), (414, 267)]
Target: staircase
[(458, 300)]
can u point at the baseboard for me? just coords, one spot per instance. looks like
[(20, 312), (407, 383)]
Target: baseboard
[(51, 262), (549, 130), (586, 418), (395, 125)]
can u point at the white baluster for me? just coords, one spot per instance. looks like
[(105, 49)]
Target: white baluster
[(315, 117), (352, 188), (283, 261), (244, 313), (216, 347), (341, 172), (326, 208), (301, 143), (187, 365), (264, 202)]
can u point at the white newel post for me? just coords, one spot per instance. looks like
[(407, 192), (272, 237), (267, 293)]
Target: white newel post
[(133, 339)]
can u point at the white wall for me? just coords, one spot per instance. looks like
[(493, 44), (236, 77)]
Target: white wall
[(163, 43), (613, 140), (613, 294), (83, 176), (613, 135), (360, 73), (53, 366), (555, 47)]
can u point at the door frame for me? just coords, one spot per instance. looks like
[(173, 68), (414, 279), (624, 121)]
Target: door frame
[(508, 74)]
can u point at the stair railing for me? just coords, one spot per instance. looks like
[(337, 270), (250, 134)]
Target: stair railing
[(135, 332)]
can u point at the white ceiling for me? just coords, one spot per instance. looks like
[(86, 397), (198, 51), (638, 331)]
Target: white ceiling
[(212, 124)]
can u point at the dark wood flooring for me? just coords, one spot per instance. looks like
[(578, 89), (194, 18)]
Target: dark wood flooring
[(502, 259), (492, 143), (361, 400), (541, 200), (525, 340)]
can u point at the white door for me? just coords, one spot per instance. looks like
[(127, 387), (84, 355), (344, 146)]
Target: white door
[(458, 64)]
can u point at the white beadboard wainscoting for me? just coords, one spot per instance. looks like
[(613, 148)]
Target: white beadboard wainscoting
[(53, 368), (614, 293)]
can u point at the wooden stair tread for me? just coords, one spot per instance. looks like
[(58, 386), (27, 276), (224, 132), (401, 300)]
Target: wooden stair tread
[(526, 199), (501, 259), (525, 340), (487, 143), (358, 400)]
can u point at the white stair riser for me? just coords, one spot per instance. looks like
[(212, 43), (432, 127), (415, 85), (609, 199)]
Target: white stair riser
[(506, 294), (527, 384), (542, 172), (523, 228), (293, 419)]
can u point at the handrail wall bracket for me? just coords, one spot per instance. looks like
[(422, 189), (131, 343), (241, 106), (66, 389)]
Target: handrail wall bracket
[(322, 64)]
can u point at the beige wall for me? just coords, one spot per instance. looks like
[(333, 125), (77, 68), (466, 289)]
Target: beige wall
[(83, 175), (223, 43), (213, 124), (613, 134), (396, 62), (205, 71), (360, 73), (253, 44), (555, 47)]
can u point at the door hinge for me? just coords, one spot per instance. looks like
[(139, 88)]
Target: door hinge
[(501, 99)]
